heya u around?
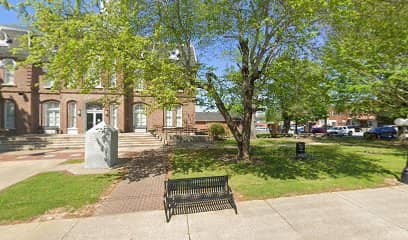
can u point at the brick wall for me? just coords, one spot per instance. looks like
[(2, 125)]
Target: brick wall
[(30, 93)]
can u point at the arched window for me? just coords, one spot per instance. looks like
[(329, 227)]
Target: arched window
[(51, 114), (72, 121), (9, 114), (8, 67), (139, 116)]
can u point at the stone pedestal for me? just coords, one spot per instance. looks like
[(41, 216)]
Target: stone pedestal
[(101, 146)]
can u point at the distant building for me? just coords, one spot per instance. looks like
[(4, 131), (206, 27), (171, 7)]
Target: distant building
[(336, 118), (203, 120)]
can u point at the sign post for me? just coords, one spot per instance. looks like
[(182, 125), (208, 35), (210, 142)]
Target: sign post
[(400, 122)]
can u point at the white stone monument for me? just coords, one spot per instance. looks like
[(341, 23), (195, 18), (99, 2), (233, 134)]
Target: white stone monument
[(101, 146)]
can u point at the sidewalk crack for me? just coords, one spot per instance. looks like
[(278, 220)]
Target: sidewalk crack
[(70, 229), (284, 219), (188, 228)]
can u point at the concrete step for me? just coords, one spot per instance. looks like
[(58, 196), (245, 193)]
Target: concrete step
[(62, 141)]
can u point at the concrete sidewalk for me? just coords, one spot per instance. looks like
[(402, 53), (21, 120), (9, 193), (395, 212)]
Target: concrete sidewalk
[(12, 172), (364, 214)]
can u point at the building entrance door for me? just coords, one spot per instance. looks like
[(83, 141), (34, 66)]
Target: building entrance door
[(139, 118), (94, 115)]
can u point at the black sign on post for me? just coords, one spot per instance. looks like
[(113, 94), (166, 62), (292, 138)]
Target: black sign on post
[(300, 149)]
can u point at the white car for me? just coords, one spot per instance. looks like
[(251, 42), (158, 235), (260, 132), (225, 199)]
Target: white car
[(341, 131)]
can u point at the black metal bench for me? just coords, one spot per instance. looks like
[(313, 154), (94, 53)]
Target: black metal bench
[(182, 192)]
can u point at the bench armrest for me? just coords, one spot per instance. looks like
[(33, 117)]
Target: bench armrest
[(229, 189), (165, 189)]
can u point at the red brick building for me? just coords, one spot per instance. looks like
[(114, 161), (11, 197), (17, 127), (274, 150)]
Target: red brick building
[(337, 118), (29, 105)]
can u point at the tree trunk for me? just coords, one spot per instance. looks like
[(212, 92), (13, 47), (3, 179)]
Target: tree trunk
[(253, 127), (248, 87), (296, 127), (243, 135), (286, 122)]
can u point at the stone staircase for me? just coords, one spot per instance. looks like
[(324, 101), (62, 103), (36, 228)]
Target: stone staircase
[(127, 142)]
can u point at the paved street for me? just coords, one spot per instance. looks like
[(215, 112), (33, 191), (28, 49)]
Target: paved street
[(380, 213)]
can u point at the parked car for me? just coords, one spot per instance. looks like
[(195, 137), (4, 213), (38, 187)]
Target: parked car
[(356, 128), (393, 126), (300, 129), (319, 130), (381, 133), (341, 131), (262, 129)]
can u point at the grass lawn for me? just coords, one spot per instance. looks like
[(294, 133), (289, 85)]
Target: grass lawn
[(333, 165), (51, 190), (73, 161)]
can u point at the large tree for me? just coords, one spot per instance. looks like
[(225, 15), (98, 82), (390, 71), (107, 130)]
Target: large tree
[(298, 89), (367, 54), (82, 44), (257, 33)]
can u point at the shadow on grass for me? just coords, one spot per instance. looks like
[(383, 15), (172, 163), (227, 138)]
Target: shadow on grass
[(280, 163)]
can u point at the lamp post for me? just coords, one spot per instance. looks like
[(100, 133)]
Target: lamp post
[(400, 122)]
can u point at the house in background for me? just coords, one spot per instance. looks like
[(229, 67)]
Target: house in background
[(343, 118), (29, 105), (203, 120)]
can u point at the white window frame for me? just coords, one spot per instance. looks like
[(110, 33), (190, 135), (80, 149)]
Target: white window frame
[(113, 78), (139, 82), (114, 115), (169, 118), (72, 118), (140, 85), (139, 115), (8, 71), (179, 116), (51, 115), (93, 74), (48, 83), (9, 117)]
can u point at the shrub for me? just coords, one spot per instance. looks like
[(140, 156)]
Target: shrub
[(217, 131)]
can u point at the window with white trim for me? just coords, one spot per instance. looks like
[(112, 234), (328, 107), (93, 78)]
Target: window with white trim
[(139, 85), (72, 120), (9, 114), (47, 81), (139, 82), (51, 114), (169, 118), (113, 77), (8, 66), (114, 115), (179, 116), (139, 116)]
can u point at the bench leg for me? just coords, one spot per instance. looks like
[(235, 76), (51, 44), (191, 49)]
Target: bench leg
[(167, 211), (232, 202)]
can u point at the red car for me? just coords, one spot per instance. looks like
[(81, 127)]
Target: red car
[(319, 130)]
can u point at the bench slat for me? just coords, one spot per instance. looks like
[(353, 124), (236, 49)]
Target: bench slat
[(196, 190)]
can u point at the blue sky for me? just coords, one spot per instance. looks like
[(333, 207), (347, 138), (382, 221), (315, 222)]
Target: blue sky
[(8, 17)]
